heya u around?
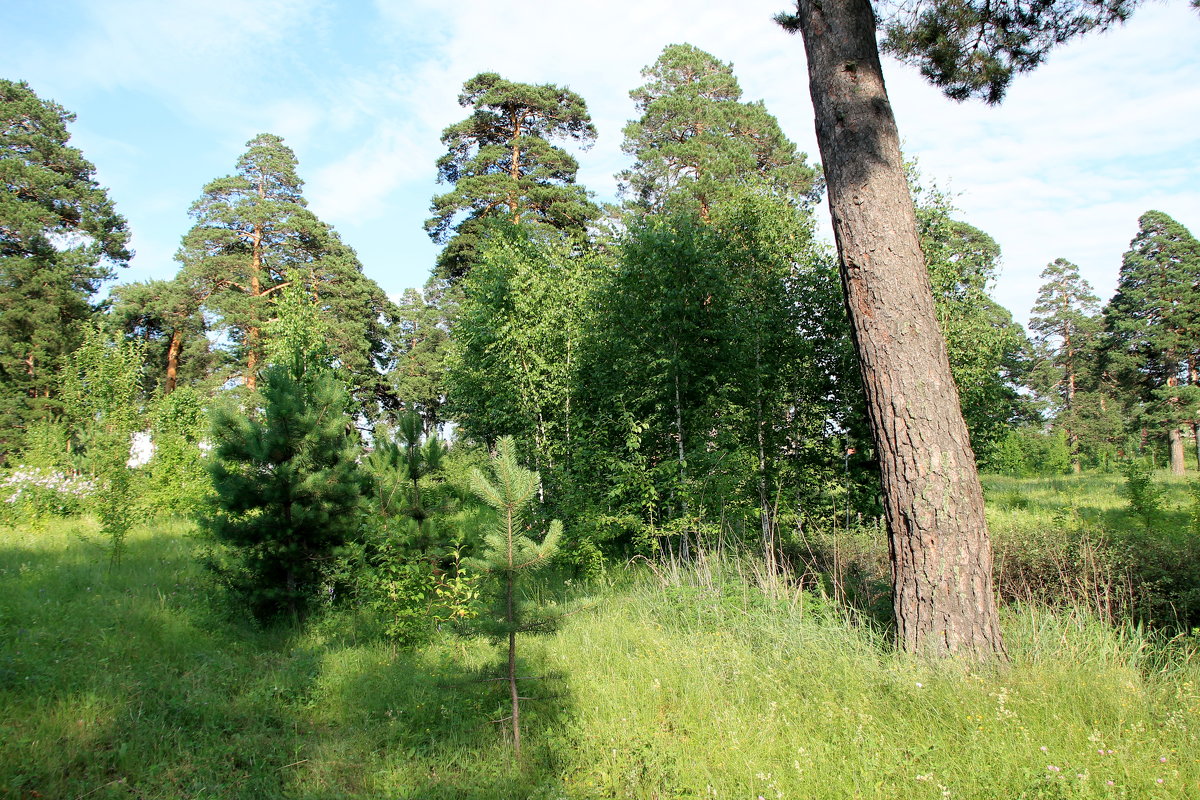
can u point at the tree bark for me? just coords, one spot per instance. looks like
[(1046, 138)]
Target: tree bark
[(941, 553), (1175, 437), (173, 360)]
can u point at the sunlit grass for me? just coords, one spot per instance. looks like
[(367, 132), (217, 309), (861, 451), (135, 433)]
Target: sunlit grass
[(678, 682)]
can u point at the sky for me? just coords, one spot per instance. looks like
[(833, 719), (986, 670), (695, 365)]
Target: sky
[(168, 93)]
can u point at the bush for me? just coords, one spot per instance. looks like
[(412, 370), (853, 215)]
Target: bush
[(32, 493)]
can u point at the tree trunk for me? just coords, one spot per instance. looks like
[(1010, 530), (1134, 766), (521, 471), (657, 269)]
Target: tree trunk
[(173, 360), (1196, 441), (941, 553), (1175, 436)]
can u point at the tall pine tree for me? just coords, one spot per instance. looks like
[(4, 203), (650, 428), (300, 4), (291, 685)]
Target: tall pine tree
[(1154, 319), (253, 236), (502, 163), (697, 139), (1066, 322), (60, 237)]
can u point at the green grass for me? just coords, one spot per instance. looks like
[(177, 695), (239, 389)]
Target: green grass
[(674, 683)]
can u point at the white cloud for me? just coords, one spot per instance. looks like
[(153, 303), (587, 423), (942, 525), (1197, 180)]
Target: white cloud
[(1102, 132)]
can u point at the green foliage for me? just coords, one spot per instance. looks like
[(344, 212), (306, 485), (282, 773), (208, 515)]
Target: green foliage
[(988, 351), (502, 164), (254, 237), (60, 238), (511, 369), (176, 479), (1067, 325), (47, 444), (509, 555), (288, 490), (716, 365), (421, 340), (697, 142), (29, 494), (406, 574), (102, 397), (1153, 322), (166, 316), (1145, 498), (973, 49)]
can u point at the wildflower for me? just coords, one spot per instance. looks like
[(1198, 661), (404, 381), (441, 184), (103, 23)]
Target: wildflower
[(1042, 748), (1053, 768), (920, 685), (1163, 759)]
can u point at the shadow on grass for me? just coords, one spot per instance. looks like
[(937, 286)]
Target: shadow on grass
[(126, 682)]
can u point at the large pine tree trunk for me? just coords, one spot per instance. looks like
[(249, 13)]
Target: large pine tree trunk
[(941, 552)]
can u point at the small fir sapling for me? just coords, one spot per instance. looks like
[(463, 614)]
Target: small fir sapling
[(509, 555)]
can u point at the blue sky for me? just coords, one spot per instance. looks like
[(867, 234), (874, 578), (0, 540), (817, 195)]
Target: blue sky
[(167, 94)]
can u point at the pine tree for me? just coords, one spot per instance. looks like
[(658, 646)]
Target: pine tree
[(60, 238), (420, 339), (944, 596), (696, 139), (509, 555), (1066, 320), (502, 164), (166, 316), (1155, 319), (288, 488), (253, 235), (398, 466)]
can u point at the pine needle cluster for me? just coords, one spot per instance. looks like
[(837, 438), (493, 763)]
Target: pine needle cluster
[(510, 554)]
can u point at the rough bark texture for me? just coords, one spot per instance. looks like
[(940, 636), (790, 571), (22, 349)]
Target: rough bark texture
[(941, 553)]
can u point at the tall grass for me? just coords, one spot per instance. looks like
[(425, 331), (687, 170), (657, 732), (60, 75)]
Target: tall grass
[(711, 678)]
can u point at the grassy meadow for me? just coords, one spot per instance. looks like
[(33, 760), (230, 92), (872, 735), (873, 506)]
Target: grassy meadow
[(709, 680)]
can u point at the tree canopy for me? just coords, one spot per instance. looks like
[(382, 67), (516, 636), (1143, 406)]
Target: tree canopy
[(254, 236), (697, 139), (60, 237), (502, 163)]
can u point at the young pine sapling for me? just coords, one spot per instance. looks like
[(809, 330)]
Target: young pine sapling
[(509, 555)]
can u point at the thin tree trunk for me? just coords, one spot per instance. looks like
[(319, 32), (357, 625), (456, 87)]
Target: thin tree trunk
[(941, 554), (252, 330), (1175, 432), (512, 639), (1175, 437), (1193, 380), (173, 360), (1196, 441)]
